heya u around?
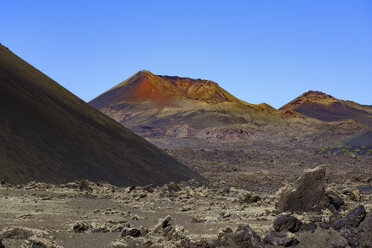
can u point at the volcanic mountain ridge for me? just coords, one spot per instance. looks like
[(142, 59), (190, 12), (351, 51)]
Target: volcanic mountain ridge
[(164, 91), (166, 107)]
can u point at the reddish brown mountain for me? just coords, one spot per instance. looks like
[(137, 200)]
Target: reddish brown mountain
[(163, 91), (158, 106), (324, 107), (184, 111), (48, 134)]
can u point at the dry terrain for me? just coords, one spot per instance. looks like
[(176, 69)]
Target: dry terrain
[(241, 189)]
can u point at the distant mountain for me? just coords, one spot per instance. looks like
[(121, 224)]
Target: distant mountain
[(163, 91), (183, 111), (48, 134), (316, 104), (154, 105)]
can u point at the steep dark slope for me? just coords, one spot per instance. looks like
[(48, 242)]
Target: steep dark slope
[(48, 134)]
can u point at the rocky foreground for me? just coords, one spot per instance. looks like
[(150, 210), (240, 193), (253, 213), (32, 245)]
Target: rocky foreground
[(306, 213)]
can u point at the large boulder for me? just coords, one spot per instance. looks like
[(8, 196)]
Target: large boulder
[(307, 194), (285, 239), (243, 236)]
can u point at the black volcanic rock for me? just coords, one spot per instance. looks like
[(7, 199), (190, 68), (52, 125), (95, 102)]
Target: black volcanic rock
[(48, 134), (352, 219), (243, 236), (335, 200), (287, 223)]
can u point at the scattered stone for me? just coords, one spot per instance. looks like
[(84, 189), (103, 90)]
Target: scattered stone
[(1, 244), (173, 187), (285, 239), (38, 185), (352, 219), (42, 243), (335, 200), (119, 244), (200, 244), (287, 223), (21, 233), (325, 225), (353, 193), (308, 226), (133, 232), (316, 219), (149, 188), (225, 215), (352, 242), (84, 185), (25, 216), (80, 227), (335, 216), (130, 188), (243, 236), (197, 219), (162, 224), (307, 194), (249, 198), (187, 208)]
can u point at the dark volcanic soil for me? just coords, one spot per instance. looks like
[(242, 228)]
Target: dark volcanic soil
[(264, 170)]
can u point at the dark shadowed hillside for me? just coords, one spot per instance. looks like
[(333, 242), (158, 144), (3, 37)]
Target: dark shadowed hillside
[(48, 134)]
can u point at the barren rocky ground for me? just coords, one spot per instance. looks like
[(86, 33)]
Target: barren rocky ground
[(235, 207)]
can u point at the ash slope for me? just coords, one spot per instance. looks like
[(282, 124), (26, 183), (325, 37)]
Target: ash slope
[(48, 134), (155, 105), (327, 108)]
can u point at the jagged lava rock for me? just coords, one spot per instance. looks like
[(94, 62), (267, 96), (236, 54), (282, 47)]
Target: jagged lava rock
[(285, 239), (352, 219), (335, 200), (243, 236), (287, 223), (307, 194)]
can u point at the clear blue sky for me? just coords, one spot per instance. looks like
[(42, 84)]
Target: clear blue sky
[(260, 51)]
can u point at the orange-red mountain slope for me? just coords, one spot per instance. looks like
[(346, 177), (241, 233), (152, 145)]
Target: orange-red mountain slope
[(324, 107), (48, 134), (163, 91), (157, 102), (164, 107)]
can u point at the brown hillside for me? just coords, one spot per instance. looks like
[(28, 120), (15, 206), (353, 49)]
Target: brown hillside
[(159, 106), (163, 91), (175, 111), (324, 107)]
